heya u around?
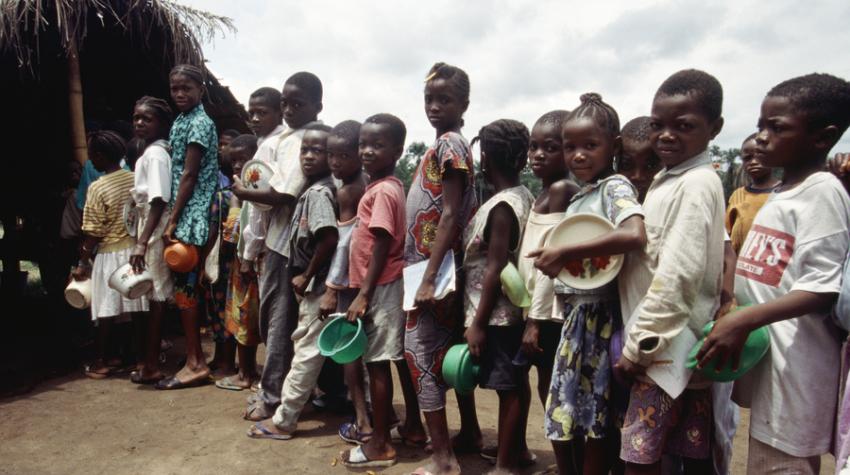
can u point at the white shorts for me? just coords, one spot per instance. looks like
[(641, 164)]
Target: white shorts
[(105, 301)]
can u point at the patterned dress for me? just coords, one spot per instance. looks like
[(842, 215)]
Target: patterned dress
[(216, 292), (429, 333), (579, 404), (242, 310)]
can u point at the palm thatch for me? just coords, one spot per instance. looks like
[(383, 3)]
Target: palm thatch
[(22, 21)]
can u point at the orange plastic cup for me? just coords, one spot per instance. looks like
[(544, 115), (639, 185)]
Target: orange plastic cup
[(181, 257)]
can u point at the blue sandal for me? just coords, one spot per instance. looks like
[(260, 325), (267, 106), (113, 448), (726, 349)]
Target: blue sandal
[(349, 432)]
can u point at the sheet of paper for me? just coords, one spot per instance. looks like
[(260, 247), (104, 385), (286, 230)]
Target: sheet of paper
[(444, 283), (668, 370)]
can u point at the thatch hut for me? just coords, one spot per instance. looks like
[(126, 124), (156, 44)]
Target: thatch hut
[(68, 64)]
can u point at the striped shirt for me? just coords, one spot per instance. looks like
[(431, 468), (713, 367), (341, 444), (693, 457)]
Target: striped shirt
[(103, 215)]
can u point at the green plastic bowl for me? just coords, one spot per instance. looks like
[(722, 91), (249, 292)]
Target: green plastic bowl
[(458, 369), (756, 346), (342, 341), (513, 287)]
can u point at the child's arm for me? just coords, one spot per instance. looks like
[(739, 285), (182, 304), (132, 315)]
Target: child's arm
[(83, 269), (729, 334), (194, 155), (380, 251), (560, 194), (630, 235), (727, 292), (326, 239), (447, 234), (269, 197), (502, 230), (137, 258)]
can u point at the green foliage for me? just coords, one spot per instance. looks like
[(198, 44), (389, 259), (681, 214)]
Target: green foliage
[(406, 165), (728, 166)]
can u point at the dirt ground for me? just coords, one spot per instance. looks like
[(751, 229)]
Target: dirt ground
[(73, 424)]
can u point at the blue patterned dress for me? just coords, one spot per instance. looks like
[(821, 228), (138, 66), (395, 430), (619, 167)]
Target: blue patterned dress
[(196, 127)]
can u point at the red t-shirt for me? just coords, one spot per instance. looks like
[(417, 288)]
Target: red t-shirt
[(382, 207)]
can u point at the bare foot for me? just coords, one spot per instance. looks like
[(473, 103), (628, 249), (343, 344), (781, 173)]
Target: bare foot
[(188, 375), (448, 468), (268, 430), (375, 452)]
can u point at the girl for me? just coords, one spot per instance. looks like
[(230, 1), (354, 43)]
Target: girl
[(439, 204), (746, 201), (151, 191), (577, 410), (194, 179), (494, 325), (103, 226)]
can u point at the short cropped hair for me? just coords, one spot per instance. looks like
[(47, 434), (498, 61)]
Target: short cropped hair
[(704, 87), (824, 99), (348, 131), (398, 132), (309, 83), (637, 129), (232, 133), (245, 141), (268, 95), (555, 117), (318, 126)]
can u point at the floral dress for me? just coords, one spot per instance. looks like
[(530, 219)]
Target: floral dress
[(216, 292), (195, 127), (242, 310), (579, 405)]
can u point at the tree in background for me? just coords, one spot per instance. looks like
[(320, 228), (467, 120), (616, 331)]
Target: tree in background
[(728, 165), (406, 165)]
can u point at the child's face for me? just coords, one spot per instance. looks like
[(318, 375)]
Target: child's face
[(784, 136), (588, 150), (377, 150), (639, 164), (146, 124), (314, 154), (224, 151), (75, 172), (443, 106), (264, 117), (679, 129), (238, 158), (297, 109), (185, 92), (752, 164), (546, 153), (343, 159)]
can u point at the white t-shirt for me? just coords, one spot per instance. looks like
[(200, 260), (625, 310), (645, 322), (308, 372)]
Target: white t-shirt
[(798, 241), (252, 241), (152, 178)]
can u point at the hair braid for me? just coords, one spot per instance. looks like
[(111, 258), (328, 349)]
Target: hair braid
[(603, 114), (160, 108), (107, 143), (505, 142)]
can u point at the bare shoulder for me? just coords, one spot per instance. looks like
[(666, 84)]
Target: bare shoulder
[(560, 194)]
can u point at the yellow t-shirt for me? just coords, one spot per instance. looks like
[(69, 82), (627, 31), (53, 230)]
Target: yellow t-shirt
[(744, 204), (103, 215)]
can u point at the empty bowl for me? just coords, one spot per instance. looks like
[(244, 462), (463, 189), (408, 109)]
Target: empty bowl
[(458, 369), (78, 293), (130, 284), (342, 341), (181, 257)]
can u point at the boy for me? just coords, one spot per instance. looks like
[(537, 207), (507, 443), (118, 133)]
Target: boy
[(312, 238), (300, 104), (674, 285), (225, 169), (375, 268), (638, 162), (790, 270), (746, 201)]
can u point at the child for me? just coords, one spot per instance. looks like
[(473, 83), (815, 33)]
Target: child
[(151, 192), (103, 226), (746, 201), (375, 268), (300, 104), (542, 327), (578, 417), (224, 165), (345, 164), (674, 285), (789, 270), (638, 162), (312, 238), (439, 205), (194, 180), (240, 311), (493, 324)]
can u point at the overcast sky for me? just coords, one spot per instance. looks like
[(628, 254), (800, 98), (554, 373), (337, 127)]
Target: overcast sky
[(527, 57)]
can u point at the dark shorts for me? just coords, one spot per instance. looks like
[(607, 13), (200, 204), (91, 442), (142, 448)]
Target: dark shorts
[(497, 370), (548, 339)]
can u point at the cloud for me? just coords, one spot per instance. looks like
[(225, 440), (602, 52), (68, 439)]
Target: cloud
[(527, 57)]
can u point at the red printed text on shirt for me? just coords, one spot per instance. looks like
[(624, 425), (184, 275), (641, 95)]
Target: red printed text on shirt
[(765, 255)]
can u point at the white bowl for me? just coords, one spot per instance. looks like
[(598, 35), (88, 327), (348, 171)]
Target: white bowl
[(78, 293), (577, 228), (256, 175), (129, 284)]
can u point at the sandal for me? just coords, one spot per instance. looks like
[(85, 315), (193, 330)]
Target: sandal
[(227, 383), (357, 458), (257, 412), (174, 383), (136, 378), (95, 372), (259, 431), (397, 436), (490, 454), (349, 432)]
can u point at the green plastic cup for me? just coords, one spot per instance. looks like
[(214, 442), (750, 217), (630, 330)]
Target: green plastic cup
[(458, 369), (342, 341), (756, 346)]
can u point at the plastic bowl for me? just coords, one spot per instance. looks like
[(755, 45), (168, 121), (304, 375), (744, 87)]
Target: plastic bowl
[(78, 293), (513, 287), (756, 346), (458, 369), (129, 284), (181, 257), (342, 341)]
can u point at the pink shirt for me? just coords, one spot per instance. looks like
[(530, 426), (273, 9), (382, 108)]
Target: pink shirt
[(382, 207)]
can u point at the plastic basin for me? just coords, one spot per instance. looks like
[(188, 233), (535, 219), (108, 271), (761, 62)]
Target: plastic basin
[(342, 341), (181, 257), (756, 346), (458, 369)]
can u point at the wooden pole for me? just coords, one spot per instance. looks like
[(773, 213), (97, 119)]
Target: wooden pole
[(75, 106)]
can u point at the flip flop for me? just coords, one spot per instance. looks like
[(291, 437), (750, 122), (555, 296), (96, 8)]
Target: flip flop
[(357, 458), (396, 436), (259, 431), (136, 378), (95, 373), (174, 383), (490, 454), (349, 432), (256, 412), (227, 383)]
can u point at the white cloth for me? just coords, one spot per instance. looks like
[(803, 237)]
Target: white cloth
[(539, 286), (798, 241), (252, 240), (163, 282), (152, 176), (106, 302), (674, 284)]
